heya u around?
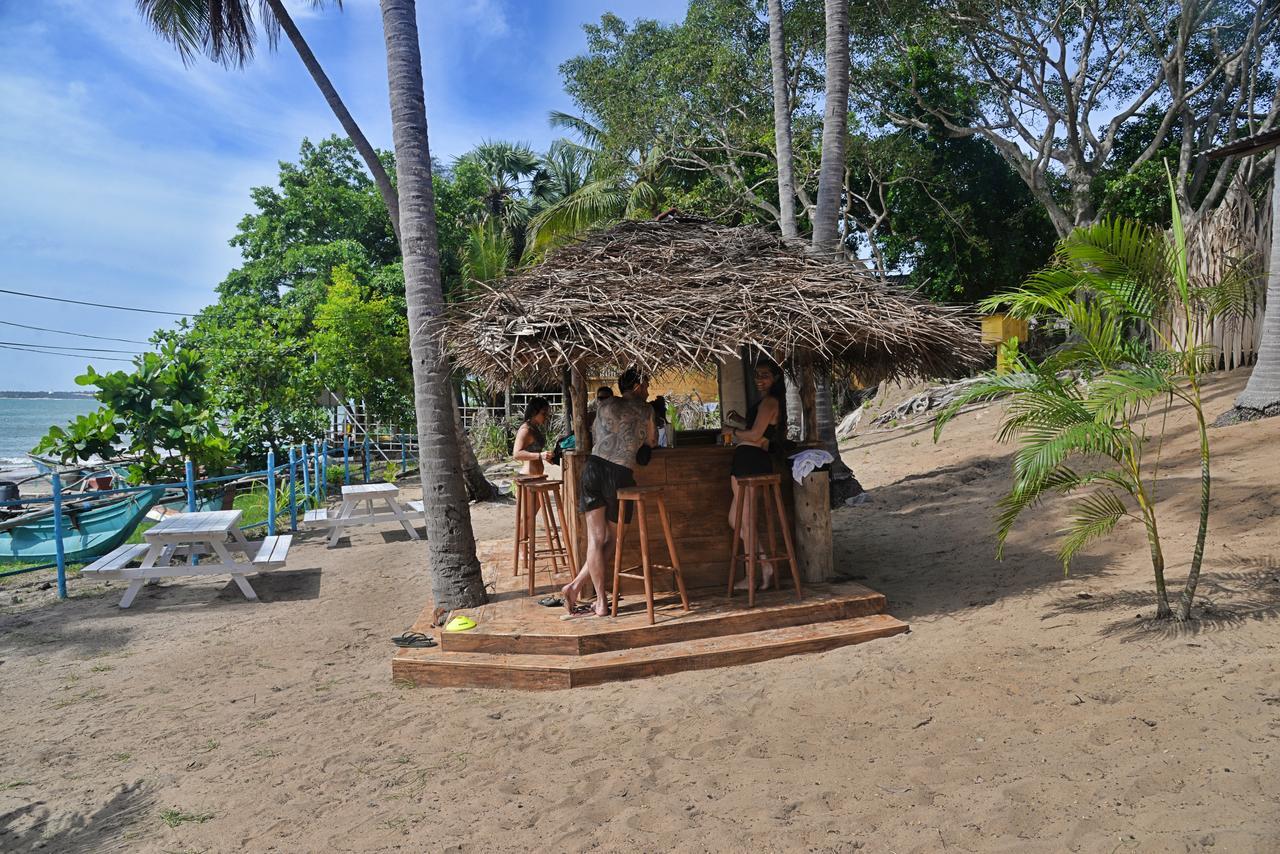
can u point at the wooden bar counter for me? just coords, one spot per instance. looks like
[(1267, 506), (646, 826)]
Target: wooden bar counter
[(698, 497)]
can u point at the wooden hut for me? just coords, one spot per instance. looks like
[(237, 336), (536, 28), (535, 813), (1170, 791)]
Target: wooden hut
[(682, 294)]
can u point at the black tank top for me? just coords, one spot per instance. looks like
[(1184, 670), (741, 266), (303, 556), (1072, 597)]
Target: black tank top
[(539, 443), (770, 432)]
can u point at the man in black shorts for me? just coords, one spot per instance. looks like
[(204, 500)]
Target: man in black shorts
[(622, 426)]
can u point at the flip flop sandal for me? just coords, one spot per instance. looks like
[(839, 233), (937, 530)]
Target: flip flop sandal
[(551, 602), (414, 640), (581, 610)]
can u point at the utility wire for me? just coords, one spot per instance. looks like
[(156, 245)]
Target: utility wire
[(67, 332), (80, 356), (60, 347), (96, 304)]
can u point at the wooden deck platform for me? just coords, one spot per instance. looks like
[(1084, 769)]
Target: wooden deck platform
[(518, 643)]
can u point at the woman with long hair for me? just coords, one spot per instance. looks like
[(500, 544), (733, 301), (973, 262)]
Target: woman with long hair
[(762, 428), (531, 439)]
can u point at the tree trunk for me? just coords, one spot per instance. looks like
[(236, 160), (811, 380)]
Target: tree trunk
[(826, 235), (367, 151), (456, 580), (782, 123), (843, 483), (1197, 554), (1263, 390), (479, 487)]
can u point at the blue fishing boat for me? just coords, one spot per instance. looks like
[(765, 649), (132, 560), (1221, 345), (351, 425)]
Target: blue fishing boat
[(91, 527)]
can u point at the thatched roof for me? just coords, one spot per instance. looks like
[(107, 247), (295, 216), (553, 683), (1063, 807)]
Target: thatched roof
[(682, 294)]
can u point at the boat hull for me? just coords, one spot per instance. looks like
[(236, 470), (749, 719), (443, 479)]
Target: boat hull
[(90, 529)]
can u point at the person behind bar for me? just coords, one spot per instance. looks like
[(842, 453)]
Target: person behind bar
[(623, 426), (763, 426), (602, 393)]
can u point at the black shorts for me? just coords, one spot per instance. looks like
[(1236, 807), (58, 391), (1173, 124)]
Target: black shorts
[(599, 486), (749, 460)]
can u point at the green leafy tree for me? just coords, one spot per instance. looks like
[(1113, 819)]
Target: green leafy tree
[(156, 416), (1079, 416)]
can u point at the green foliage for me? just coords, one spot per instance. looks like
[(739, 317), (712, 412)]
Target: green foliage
[(1078, 416), (158, 416), (361, 344)]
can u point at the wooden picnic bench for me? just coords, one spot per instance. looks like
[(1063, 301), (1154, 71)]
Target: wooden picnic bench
[(215, 535), (348, 514)]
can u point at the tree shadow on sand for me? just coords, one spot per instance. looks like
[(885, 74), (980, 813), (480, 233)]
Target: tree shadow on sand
[(1232, 593), (34, 827)]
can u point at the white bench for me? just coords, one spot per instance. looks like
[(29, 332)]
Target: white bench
[(273, 551), (115, 564), (316, 517), (415, 506)]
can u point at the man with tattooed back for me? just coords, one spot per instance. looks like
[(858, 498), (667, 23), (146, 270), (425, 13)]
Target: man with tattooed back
[(623, 426)]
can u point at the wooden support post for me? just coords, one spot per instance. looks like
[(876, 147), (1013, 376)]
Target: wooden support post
[(809, 402), (813, 528), (581, 435)]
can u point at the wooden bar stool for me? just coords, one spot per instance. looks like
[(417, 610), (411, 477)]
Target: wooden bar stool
[(521, 485), (640, 497), (547, 498), (764, 491)]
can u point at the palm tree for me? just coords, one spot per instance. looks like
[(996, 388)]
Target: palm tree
[(1083, 405), (456, 581), (835, 122), (514, 180), (226, 31), (617, 186), (782, 123)]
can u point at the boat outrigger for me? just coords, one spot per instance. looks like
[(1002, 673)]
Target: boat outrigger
[(90, 527)]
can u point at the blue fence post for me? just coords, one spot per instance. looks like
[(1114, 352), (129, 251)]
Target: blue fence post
[(271, 492), (60, 554), (315, 473), (346, 460), (293, 489), (191, 487), (366, 458), (324, 465), (306, 481), (404, 456)]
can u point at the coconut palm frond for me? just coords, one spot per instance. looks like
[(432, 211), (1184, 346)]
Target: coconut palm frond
[(990, 388), (586, 131), (1091, 518), (1114, 394), (486, 254), (596, 203)]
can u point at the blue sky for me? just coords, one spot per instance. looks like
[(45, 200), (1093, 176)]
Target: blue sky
[(123, 173)]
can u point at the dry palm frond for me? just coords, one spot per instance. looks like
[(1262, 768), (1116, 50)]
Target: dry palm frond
[(682, 294)]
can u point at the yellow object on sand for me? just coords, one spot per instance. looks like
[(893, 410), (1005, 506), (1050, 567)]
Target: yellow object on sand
[(460, 623)]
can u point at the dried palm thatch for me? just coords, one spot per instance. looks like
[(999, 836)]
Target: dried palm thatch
[(682, 294)]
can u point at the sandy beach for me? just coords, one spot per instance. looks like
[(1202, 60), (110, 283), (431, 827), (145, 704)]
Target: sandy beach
[(1026, 711)]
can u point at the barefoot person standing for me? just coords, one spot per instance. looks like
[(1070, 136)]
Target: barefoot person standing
[(623, 425)]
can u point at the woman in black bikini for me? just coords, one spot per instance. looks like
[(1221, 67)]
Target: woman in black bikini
[(531, 442), (763, 427)]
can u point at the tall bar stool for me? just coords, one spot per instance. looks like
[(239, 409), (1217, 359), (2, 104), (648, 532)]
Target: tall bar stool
[(765, 494), (547, 497), (640, 497), (523, 498)]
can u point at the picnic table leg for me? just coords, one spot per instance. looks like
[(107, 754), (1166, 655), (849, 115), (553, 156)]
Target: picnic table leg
[(344, 512), (155, 551), (241, 542), (222, 552), (403, 517)]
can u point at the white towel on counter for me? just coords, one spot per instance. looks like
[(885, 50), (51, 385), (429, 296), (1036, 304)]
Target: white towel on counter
[(803, 463)]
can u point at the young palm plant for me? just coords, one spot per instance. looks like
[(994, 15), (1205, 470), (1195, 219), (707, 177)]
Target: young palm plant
[(1080, 415)]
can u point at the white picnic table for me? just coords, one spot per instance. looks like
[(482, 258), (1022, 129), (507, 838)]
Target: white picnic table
[(215, 535), (349, 514)]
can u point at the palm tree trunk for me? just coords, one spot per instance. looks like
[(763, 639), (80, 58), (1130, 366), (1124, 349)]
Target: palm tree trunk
[(1263, 390), (371, 159), (1197, 555), (782, 123), (835, 121), (1163, 611), (479, 487), (456, 580)]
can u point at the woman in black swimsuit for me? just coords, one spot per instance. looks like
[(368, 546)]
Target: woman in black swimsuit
[(531, 440), (763, 427)]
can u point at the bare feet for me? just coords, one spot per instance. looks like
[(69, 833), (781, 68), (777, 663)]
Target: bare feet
[(766, 575), (570, 594)]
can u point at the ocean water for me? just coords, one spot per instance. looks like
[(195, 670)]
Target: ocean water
[(24, 421)]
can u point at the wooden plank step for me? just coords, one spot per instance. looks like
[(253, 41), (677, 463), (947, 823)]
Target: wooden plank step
[(438, 668), (520, 626)]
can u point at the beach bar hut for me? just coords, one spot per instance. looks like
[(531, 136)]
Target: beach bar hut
[(682, 294)]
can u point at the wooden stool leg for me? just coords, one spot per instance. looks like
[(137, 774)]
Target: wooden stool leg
[(515, 557), (737, 538), (548, 523), (786, 538), (772, 563), (645, 569), (671, 550), (567, 546), (620, 533), (750, 545)]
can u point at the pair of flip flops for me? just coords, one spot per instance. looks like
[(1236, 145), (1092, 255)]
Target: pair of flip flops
[(551, 602), (414, 640)]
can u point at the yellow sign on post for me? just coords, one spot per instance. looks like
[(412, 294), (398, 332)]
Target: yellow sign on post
[(998, 329)]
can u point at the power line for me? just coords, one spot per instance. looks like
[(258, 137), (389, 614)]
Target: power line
[(80, 356), (60, 347), (95, 304), (79, 334)]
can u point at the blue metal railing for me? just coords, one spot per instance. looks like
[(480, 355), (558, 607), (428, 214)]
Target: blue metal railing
[(313, 462)]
